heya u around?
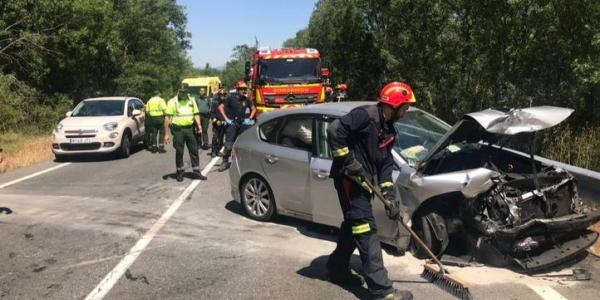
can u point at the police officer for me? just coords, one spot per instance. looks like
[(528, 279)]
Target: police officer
[(238, 112), (155, 119), (204, 104), (218, 123), (182, 111), (361, 142)]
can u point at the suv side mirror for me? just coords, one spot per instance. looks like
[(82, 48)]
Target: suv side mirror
[(136, 112), (69, 113)]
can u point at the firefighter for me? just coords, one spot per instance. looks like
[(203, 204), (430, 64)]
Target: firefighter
[(204, 104), (238, 112), (328, 94), (340, 92), (155, 111), (361, 142), (218, 123), (181, 115)]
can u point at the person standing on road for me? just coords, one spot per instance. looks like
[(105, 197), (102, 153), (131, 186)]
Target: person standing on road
[(238, 112), (182, 111), (361, 142), (204, 104), (155, 119), (218, 123)]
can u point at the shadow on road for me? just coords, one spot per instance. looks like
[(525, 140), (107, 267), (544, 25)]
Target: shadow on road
[(318, 270), (309, 229)]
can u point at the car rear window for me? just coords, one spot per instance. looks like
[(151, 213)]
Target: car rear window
[(267, 131)]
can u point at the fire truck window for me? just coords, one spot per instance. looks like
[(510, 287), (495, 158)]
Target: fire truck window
[(297, 133)]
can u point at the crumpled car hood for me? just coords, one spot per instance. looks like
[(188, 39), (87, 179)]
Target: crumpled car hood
[(520, 120), (491, 124)]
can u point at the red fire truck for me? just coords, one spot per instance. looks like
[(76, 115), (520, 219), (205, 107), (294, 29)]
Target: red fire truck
[(285, 78)]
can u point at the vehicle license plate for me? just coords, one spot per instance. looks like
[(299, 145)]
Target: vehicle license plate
[(80, 141)]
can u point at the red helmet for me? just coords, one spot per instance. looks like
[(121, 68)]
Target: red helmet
[(241, 85), (396, 93), (328, 90), (341, 87)]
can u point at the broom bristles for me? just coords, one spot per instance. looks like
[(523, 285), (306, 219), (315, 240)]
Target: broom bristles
[(452, 284)]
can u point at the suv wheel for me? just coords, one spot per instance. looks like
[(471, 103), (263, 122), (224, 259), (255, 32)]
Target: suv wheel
[(125, 149), (257, 199)]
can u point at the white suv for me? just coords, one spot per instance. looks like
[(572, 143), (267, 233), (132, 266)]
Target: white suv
[(100, 125)]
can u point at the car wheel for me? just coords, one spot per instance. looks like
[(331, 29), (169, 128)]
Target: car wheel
[(423, 229), (257, 199), (125, 149)]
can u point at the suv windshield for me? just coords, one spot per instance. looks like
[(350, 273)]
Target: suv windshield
[(98, 108), (416, 133), (291, 70)]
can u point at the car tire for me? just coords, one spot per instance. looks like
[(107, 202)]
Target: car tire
[(125, 148), (257, 199), (423, 229)]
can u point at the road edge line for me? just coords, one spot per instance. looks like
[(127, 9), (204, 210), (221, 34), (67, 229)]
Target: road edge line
[(109, 281), (546, 292), (33, 175)]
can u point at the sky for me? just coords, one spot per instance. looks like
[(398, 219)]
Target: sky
[(218, 26)]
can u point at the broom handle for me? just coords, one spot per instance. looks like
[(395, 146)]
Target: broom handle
[(414, 235)]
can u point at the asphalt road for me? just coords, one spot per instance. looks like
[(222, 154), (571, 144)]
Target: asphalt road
[(127, 229)]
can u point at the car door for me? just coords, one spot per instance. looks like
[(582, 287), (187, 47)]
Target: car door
[(325, 205), (140, 120), (286, 164), (130, 122)]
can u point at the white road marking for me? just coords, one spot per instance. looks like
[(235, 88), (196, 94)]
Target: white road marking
[(100, 291), (545, 292), (33, 175)]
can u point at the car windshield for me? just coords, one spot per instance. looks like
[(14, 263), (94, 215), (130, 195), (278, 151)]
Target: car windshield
[(98, 108), (291, 70), (416, 133)]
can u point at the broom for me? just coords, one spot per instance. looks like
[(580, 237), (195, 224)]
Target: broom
[(433, 272)]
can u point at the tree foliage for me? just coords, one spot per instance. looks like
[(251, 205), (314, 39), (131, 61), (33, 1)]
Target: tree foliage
[(85, 48)]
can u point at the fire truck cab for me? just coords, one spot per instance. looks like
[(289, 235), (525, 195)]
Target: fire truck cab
[(286, 78)]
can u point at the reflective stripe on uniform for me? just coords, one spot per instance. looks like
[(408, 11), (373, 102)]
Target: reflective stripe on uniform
[(360, 229), (386, 184), (341, 152)]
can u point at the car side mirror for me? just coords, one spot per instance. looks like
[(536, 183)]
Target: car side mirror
[(136, 112), (69, 113)]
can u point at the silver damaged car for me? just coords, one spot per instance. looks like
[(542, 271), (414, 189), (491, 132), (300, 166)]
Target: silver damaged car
[(462, 189)]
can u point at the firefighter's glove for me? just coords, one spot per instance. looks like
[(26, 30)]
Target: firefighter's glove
[(248, 122), (360, 180), (393, 211), (353, 167), (229, 122)]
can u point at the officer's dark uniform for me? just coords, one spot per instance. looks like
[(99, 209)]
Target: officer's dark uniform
[(218, 125), (364, 134), (204, 105), (237, 108)]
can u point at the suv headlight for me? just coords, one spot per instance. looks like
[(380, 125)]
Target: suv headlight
[(58, 128), (110, 126)]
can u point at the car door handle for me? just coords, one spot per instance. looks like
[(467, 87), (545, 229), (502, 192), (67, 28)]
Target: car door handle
[(271, 158), (321, 174)]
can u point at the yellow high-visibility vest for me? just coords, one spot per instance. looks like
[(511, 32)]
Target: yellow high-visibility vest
[(182, 111), (156, 106)]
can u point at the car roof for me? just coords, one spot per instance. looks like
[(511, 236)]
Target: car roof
[(110, 98), (334, 108)]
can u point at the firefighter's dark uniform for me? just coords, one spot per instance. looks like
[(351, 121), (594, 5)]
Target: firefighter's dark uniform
[(155, 111), (364, 134), (237, 108), (218, 125), (182, 113)]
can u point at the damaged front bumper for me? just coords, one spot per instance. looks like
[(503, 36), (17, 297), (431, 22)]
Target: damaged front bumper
[(543, 243)]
